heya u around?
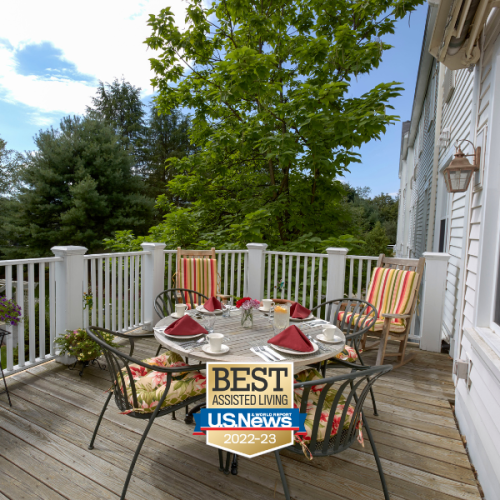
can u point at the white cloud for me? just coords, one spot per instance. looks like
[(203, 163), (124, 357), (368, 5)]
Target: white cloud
[(102, 38)]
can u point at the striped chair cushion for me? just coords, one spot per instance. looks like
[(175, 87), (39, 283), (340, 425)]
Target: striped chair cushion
[(391, 291), (199, 275)]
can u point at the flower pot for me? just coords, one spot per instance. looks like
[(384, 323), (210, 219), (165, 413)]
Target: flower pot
[(66, 359)]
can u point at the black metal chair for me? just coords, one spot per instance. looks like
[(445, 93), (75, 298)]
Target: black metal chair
[(357, 317), (3, 334), (165, 301), (123, 387), (332, 443)]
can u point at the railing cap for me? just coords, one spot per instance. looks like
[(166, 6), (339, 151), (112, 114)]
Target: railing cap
[(337, 251), (436, 256), (153, 246), (61, 251), (256, 246)]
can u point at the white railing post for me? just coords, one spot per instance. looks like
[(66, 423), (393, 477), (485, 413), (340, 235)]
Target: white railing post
[(434, 286), (255, 272), (335, 278), (154, 279), (69, 288)]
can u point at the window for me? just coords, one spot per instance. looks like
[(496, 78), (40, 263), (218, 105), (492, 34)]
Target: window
[(496, 311)]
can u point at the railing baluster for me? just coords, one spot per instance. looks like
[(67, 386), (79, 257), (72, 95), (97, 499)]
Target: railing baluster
[(120, 293), (106, 293), (219, 269), (231, 288), (269, 270), (311, 292), (94, 296), (125, 292), (238, 283), (41, 309), (114, 295), (137, 319), (283, 275), (289, 284), (360, 278), (132, 290), (20, 326), (320, 280), (100, 293), (368, 276), (85, 289), (10, 340), (351, 276), (304, 282), (297, 279), (275, 290), (245, 274), (31, 309), (142, 290), (169, 272), (226, 266), (52, 306)]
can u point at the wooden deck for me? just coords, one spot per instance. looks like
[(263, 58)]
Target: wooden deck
[(44, 440)]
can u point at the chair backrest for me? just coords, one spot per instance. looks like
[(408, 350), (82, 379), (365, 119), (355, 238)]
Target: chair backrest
[(165, 301), (344, 406), (197, 270), (353, 316), (123, 369), (395, 284)]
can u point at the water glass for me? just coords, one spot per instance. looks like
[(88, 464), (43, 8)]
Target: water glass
[(209, 322), (226, 310)]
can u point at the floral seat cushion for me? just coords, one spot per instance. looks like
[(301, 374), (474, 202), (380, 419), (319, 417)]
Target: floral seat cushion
[(312, 404), (150, 384), (348, 354)]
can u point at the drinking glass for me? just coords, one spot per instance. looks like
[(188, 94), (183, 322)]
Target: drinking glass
[(209, 322), (281, 317)]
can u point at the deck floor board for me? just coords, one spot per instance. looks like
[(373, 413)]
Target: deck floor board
[(45, 437)]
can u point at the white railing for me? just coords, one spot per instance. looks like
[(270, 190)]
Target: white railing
[(231, 269), (114, 282), (31, 283), (123, 287)]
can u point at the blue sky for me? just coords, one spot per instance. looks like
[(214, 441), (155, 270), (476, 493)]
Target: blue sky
[(49, 68)]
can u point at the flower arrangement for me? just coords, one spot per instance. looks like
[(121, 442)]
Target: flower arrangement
[(248, 305), (77, 343), (10, 312)]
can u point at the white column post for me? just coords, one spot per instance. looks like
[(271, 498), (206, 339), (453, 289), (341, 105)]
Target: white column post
[(154, 279), (69, 288), (256, 266), (434, 287), (336, 273)]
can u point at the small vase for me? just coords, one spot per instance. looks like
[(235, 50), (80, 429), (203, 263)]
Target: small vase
[(247, 318)]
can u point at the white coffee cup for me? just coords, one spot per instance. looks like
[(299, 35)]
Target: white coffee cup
[(266, 304), (180, 309), (215, 340), (329, 332)]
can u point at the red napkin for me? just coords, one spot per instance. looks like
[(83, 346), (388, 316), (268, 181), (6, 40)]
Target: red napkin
[(185, 326), (212, 304), (299, 312), (292, 338)]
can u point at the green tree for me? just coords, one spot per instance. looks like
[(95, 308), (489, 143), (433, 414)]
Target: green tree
[(376, 241), (119, 105), (274, 121), (78, 188)]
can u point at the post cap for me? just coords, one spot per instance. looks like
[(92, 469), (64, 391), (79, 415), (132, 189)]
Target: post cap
[(61, 251), (152, 246), (337, 251), (436, 256), (257, 246)]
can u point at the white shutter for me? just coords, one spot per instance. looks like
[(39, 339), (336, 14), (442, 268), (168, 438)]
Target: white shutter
[(448, 85)]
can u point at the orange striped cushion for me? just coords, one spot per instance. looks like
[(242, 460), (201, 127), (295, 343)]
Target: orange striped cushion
[(199, 275), (396, 327)]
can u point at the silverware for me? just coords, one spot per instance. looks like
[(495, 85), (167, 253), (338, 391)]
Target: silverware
[(271, 355), (319, 344), (257, 350), (194, 342), (279, 356)]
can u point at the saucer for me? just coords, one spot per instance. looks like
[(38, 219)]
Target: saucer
[(206, 348), (299, 320), (261, 309), (176, 316), (204, 311), (336, 339)]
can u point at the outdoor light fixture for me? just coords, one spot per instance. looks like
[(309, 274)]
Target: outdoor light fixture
[(458, 173)]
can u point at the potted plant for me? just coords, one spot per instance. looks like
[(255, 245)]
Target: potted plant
[(10, 312), (76, 346), (247, 305)]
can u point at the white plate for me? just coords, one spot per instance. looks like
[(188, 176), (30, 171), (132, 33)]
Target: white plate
[(182, 337), (204, 311), (261, 309), (336, 339), (299, 320), (206, 348), (176, 316), (291, 351)]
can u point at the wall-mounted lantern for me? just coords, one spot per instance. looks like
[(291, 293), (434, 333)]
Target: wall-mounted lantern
[(458, 173)]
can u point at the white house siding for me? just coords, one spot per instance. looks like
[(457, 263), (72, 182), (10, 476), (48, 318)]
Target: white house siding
[(478, 398), (457, 119)]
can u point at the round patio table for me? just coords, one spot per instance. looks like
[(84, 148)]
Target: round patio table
[(240, 340)]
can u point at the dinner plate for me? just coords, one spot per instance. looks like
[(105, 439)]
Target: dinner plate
[(206, 348), (176, 316), (178, 337), (299, 320), (336, 339), (291, 351), (204, 311)]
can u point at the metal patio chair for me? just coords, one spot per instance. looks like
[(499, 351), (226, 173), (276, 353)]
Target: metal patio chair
[(165, 301), (339, 431), (354, 317), (122, 369), (3, 334)]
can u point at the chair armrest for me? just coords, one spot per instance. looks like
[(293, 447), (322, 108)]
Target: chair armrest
[(396, 316)]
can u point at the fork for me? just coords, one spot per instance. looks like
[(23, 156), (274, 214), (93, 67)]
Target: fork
[(319, 344)]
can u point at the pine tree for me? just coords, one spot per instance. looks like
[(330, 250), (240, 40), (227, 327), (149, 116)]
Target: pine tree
[(79, 188)]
